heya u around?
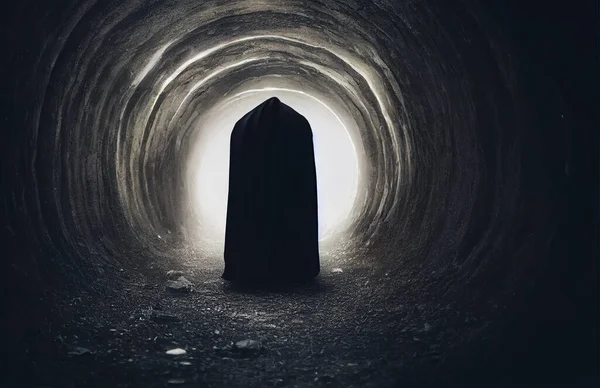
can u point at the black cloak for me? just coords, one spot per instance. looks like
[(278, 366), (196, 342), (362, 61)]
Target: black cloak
[(272, 229)]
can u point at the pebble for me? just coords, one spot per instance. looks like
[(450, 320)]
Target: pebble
[(79, 351), (176, 352), (174, 275), (164, 317), (181, 285), (248, 344)]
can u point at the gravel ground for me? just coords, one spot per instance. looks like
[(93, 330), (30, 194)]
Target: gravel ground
[(358, 327)]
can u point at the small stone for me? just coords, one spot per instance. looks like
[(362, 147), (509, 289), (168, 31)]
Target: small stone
[(176, 352), (248, 344), (297, 321), (185, 363), (217, 332), (174, 275), (164, 317), (79, 351), (176, 381), (181, 285), (337, 270)]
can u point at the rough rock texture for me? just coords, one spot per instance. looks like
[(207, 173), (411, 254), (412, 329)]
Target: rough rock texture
[(181, 285), (471, 255)]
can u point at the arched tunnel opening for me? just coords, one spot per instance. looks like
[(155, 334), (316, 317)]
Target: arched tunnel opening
[(456, 161)]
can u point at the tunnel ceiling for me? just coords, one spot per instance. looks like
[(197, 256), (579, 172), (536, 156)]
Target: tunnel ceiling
[(120, 87), (472, 138), (467, 142)]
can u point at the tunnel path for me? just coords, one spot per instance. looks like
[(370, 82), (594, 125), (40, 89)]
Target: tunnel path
[(479, 125), (356, 328)]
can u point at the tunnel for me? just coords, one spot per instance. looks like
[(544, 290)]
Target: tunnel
[(455, 145)]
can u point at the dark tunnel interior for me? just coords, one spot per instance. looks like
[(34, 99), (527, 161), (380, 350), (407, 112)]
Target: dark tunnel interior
[(468, 256)]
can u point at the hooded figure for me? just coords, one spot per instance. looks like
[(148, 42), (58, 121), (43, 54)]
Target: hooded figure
[(272, 229)]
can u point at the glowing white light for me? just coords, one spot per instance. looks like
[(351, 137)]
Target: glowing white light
[(373, 80), (335, 159)]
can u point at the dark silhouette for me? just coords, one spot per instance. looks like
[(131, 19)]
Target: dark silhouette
[(272, 230)]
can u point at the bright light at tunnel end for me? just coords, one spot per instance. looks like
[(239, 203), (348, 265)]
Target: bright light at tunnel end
[(336, 161)]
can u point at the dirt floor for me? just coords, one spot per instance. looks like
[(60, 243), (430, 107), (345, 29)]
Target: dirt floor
[(355, 326)]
